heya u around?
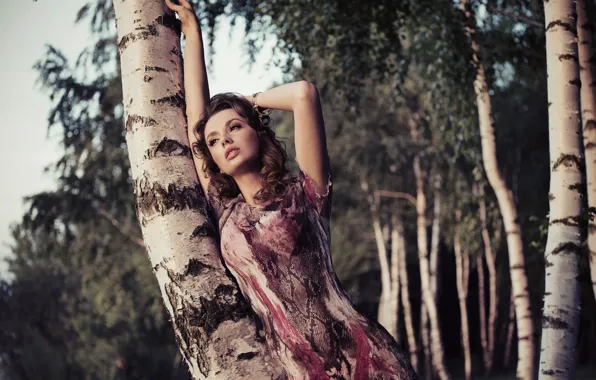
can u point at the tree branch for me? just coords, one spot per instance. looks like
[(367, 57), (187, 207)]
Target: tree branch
[(515, 16)]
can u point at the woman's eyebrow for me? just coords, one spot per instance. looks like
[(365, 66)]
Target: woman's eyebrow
[(231, 120)]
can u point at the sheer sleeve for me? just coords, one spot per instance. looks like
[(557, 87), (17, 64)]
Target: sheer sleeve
[(218, 205), (321, 202)]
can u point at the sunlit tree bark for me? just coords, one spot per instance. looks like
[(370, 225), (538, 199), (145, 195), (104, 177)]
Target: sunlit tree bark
[(437, 353), (560, 316), (517, 265), (212, 322)]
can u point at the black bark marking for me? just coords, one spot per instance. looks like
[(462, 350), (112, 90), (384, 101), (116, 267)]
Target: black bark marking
[(568, 160), (567, 248), (549, 322), (568, 57), (247, 355), (144, 121), (551, 197), (548, 264), (572, 221), (155, 199), (516, 267), (577, 187), (196, 267), (142, 33), (568, 27), (204, 230), (168, 148), (147, 78), (175, 51), (176, 100), (577, 82), (155, 68)]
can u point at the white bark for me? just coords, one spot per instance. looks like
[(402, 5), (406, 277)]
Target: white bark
[(587, 71), (510, 330), (384, 316), (461, 268), (437, 352), (395, 289), (560, 317), (405, 295), (492, 279), (517, 266), (212, 323), (482, 311)]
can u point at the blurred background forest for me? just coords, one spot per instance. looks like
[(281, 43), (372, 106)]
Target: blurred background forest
[(396, 82)]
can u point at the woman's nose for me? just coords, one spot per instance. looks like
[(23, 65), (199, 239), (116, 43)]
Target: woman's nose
[(226, 140)]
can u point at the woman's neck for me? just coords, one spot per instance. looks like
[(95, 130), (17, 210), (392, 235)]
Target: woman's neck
[(249, 183)]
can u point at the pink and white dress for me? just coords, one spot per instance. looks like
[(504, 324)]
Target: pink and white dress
[(280, 256)]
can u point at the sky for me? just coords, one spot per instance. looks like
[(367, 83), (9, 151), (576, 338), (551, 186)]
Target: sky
[(26, 26)]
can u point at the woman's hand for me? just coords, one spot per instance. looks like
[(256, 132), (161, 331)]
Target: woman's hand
[(187, 15)]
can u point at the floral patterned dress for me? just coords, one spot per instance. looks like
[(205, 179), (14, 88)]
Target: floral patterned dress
[(280, 256)]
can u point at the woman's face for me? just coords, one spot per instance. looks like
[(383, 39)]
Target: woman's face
[(233, 144)]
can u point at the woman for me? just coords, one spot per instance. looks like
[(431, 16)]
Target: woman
[(274, 229)]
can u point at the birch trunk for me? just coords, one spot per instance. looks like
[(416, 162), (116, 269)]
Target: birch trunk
[(560, 317), (394, 304), (425, 339), (435, 239), (492, 280), (437, 353), (461, 268), (587, 71), (212, 322), (384, 313), (405, 295), (510, 329), (517, 266), (482, 311)]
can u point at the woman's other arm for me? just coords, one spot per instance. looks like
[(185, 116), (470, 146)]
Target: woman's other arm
[(196, 85), (302, 98)]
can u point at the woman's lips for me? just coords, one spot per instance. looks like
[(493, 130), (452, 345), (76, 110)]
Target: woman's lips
[(232, 153)]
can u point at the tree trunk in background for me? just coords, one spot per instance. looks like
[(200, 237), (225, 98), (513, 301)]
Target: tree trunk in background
[(394, 305), (425, 340), (510, 330), (461, 269), (560, 316), (586, 24), (517, 266), (492, 280), (482, 311), (212, 322), (405, 294), (435, 239), (384, 316), (437, 352)]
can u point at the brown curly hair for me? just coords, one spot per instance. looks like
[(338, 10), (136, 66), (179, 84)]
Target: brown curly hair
[(272, 152)]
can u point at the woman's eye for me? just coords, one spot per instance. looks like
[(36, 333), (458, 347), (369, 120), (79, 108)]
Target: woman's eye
[(235, 126), (212, 142)]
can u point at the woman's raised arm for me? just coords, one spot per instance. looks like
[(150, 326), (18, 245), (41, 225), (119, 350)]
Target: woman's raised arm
[(196, 85), (302, 98)]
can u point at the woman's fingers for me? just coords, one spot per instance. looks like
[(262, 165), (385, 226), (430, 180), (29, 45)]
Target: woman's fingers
[(174, 5)]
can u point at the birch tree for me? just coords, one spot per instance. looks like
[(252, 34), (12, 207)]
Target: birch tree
[(461, 269), (560, 317), (517, 266), (437, 353), (213, 324), (587, 71)]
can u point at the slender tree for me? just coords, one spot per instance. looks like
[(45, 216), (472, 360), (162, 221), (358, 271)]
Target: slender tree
[(517, 266), (482, 311), (489, 254), (395, 289), (405, 294), (461, 268), (437, 353), (586, 25), (560, 316)]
